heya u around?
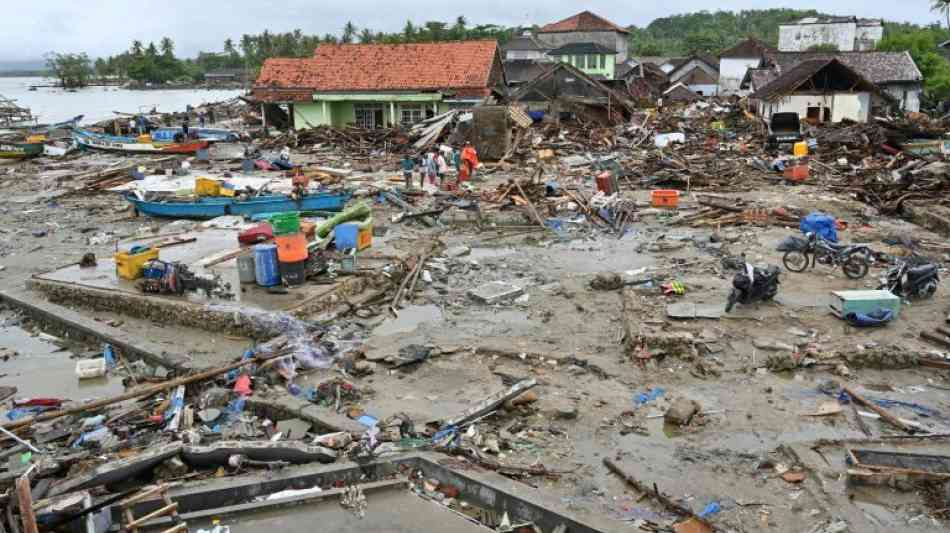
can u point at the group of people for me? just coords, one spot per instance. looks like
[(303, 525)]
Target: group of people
[(434, 165)]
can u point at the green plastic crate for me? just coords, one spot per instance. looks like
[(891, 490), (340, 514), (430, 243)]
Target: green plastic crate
[(285, 223)]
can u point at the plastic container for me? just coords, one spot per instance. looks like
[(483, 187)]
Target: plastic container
[(293, 273), (144, 139), (665, 198), (91, 368), (266, 270), (207, 187), (129, 266), (796, 173), (364, 239), (291, 248), (605, 183), (246, 269), (800, 149), (285, 223), (346, 236)]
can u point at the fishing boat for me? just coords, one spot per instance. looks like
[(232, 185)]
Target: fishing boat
[(217, 206), (131, 145), (11, 150), (204, 134)]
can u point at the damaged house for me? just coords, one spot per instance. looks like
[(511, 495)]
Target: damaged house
[(894, 73), (819, 90), (735, 62), (564, 92), (698, 73), (380, 85)]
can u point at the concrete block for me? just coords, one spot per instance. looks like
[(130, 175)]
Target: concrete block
[(495, 292)]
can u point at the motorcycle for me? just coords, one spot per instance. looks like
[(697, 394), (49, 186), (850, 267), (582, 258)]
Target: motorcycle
[(853, 258), (909, 281), (753, 285)]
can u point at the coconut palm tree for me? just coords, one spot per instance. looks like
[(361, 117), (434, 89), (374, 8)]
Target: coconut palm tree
[(941, 6)]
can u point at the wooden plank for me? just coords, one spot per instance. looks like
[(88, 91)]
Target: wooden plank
[(25, 498), (889, 418), (168, 509)]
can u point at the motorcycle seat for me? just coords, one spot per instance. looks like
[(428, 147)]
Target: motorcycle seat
[(921, 271)]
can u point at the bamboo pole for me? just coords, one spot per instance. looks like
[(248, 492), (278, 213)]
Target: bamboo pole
[(891, 419)]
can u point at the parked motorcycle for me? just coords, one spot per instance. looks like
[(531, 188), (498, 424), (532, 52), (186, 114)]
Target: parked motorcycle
[(909, 281), (853, 258), (753, 285)]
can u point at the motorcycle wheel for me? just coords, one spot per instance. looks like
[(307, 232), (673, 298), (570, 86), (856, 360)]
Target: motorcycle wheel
[(733, 297), (855, 267), (795, 260), (928, 290)]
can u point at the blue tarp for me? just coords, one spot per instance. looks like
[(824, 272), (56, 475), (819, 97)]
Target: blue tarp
[(821, 224), (871, 320)]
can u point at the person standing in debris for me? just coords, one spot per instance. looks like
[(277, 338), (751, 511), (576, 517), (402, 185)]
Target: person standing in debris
[(441, 167), (469, 163), (432, 169), (132, 126), (184, 127), (201, 119), (211, 116), (408, 165)]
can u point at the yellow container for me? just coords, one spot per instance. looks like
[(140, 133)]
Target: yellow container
[(207, 187), (39, 138), (226, 191), (801, 149), (145, 139), (129, 266)]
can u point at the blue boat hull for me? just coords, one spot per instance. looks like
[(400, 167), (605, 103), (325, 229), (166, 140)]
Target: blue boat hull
[(206, 208)]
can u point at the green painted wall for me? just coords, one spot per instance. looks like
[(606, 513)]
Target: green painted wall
[(342, 113), (581, 64)]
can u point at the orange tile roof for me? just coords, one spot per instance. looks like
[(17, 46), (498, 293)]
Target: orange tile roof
[(583, 21), (465, 67)]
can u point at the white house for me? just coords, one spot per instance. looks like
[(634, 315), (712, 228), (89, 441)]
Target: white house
[(895, 73), (736, 61), (698, 73), (846, 34), (819, 90)]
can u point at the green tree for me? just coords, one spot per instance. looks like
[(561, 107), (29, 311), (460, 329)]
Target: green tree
[(349, 32), (367, 36), (137, 49), (409, 32), (459, 29), (72, 70), (922, 46)]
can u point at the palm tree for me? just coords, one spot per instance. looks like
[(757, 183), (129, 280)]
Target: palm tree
[(458, 30), (367, 36), (349, 31), (941, 6)]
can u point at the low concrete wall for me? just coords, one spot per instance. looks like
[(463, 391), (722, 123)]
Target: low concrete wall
[(186, 313)]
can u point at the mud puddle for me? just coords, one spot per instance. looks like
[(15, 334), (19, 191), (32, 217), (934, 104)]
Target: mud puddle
[(38, 365), (409, 319)]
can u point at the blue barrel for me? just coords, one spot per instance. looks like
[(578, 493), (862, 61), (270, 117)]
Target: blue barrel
[(265, 265)]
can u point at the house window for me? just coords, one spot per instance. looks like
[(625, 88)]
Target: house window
[(578, 62), (409, 114), (603, 62), (369, 116), (813, 114)]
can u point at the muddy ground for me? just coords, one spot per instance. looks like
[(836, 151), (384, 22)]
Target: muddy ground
[(571, 339)]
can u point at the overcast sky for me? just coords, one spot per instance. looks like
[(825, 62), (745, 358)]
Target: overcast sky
[(29, 29)]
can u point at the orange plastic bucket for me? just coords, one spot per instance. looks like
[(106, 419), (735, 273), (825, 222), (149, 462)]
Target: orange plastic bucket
[(291, 248)]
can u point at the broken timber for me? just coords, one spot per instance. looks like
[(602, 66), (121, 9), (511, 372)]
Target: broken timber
[(490, 404)]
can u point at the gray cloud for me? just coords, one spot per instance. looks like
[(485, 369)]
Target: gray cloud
[(104, 27)]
